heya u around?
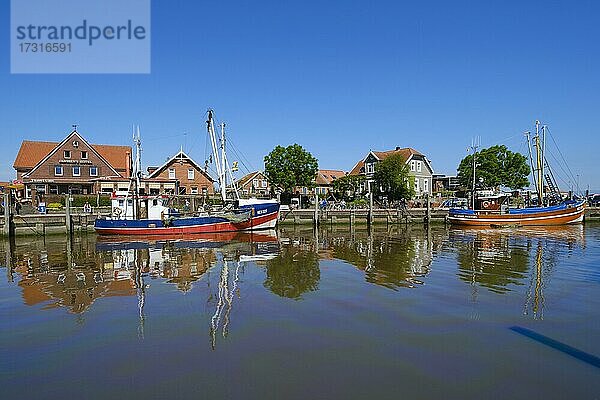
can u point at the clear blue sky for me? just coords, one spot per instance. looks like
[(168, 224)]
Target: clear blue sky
[(339, 78)]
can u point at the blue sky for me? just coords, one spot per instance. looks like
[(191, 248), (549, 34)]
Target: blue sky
[(339, 78)]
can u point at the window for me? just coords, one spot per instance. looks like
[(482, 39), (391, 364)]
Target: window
[(191, 173), (194, 190), (58, 171), (264, 184), (417, 185), (370, 168), (171, 173), (413, 166), (76, 171), (40, 189), (84, 155), (94, 171), (154, 191), (255, 183), (53, 189), (425, 185), (67, 154), (419, 166)]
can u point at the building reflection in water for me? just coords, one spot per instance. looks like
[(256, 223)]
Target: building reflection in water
[(72, 274), (498, 259)]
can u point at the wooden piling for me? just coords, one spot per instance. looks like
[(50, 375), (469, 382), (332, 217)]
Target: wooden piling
[(68, 222), (8, 230), (428, 209)]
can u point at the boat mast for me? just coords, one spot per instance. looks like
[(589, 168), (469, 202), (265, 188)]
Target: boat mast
[(535, 182), (213, 140), (223, 177), (539, 151), (474, 146)]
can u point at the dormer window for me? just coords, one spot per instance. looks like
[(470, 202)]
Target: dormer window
[(190, 173), (67, 154), (171, 173), (84, 155), (370, 168)]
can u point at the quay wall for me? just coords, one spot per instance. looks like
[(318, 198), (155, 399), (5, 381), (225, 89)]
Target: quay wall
[(39, 224), (382, 216)]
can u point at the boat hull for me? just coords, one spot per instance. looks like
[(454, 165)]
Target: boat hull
[(264, 216), (570, 213)]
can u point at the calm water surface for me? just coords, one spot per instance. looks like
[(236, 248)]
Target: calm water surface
[(404, 312)]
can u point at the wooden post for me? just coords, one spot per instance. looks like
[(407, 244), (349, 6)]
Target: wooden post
[(428, 209), (7, 231), (370, 213), (316, 219), (68, 222)]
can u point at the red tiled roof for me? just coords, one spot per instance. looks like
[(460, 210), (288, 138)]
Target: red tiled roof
[(327, 176), (406, 153), (246, 178), (32, 152)]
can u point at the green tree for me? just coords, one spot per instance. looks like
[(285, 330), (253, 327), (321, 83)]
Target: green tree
[(392, 178), (347, 187), (496, 166), (291, 166)]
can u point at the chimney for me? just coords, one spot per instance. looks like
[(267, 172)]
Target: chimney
[(397, 148), (128, 164)]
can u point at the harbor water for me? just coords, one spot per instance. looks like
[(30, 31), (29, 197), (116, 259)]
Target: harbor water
[(341, 312)]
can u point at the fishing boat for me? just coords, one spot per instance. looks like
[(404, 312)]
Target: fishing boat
[(237, 214), (493, 209)]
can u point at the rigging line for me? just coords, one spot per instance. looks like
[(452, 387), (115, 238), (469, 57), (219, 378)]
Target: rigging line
[(560, 152), (244, 157), (560, 166), (502, 140), (241, 160)]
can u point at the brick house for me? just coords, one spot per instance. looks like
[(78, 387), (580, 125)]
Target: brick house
[(419, 167), (254, 184), (71, 166), (189, 177), (323, 183)]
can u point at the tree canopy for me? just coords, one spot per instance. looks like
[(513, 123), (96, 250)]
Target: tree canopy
[(392, 178), (496, 166), (347, 187), (291, 166)]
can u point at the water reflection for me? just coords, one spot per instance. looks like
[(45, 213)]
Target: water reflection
[(73, 274), (393, 258), (498, 259)]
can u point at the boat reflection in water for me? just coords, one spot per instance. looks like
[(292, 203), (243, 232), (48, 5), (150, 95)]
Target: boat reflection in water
[(501, 259), (74, 274)]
